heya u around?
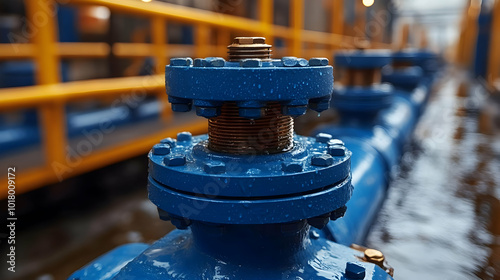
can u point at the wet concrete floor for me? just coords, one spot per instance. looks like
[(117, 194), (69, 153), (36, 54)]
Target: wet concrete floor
[(442, 216)]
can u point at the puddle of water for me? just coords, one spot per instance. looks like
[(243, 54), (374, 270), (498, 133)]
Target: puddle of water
[(442, 216)]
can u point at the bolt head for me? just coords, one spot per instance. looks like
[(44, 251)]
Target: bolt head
[(199, 62), (214, 167), (373, 255), (318, 61), (323, 137), (181, 107), (291, 167), (180, 222), (174, 160), (294, 111), (181, 61), (289, 61), (322, 160), (249, 40), (319, 106), (302, 62), (250, 113), (163, 215), (215, 62), (207, 112), (161, 149), (184, 136), (319, 222), (251, 62), (336, 150), (169, 141), (336, 142), (338, 213), (354, 271)]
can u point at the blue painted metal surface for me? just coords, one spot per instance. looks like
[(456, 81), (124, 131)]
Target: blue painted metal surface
[(206, 83), (202, 253), (377, 139), (360, 59), (247, 216)]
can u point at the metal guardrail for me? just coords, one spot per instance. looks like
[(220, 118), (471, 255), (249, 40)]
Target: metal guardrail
[(50, 96)]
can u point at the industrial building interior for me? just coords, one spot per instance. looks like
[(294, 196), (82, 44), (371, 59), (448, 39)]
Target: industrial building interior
[(250, 139)]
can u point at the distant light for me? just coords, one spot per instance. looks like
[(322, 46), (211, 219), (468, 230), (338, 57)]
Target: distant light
[(368, 3), (146, 1), (100, 12)]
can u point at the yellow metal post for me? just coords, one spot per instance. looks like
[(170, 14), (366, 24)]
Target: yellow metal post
[(494, 54), (266, 8), (337, 17), (297, 24), (41, 15), (360, 21), (159, 39), (223, 40), (202, 41), (53, 119)]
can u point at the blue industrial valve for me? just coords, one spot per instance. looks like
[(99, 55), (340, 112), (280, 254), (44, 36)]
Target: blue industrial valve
[(360, 91), (249, 198), (409, 68)]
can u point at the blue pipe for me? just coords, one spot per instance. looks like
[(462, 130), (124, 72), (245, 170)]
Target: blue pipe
[(376, 138)]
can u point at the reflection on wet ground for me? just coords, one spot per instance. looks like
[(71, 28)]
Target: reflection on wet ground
[(442, 217)]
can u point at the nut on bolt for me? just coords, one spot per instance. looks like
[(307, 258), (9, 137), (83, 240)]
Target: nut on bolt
[(179, 222), (169, 141), (249, 40), (319, 222), (374, 256), (323, 137), (184, 136), (164, 216), (214, 62), (207, 112), (181, 61), (322, 160), (338, 213), (294, 111), (336, 150), (161, 149), (318, 61), (291, 167), (174, 160), (289, 61), (354, 271), (251, 62)]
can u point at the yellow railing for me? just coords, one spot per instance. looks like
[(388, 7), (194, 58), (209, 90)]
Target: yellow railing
[(468, 34), (494, 53), (50, 96)]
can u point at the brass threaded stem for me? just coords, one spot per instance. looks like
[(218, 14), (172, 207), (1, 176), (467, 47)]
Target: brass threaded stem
[(249, 47), (230, 133)]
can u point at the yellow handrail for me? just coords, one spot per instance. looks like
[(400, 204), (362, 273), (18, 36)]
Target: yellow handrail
[(494, 54), (50, 96)]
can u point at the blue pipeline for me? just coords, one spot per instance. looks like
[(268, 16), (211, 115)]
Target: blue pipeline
[(377, 141), (376, 146)]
